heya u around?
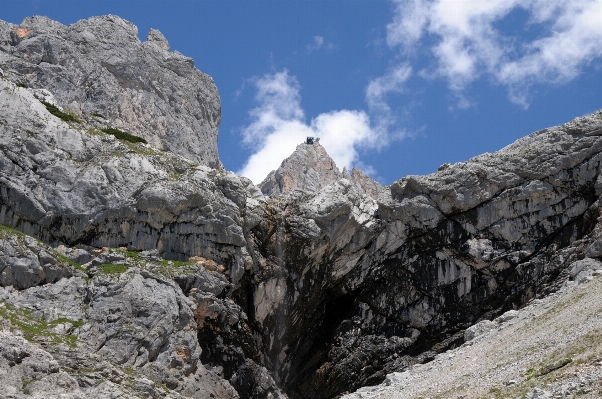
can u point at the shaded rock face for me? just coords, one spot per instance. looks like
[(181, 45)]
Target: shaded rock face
[(99, 66), (368, 287), (304, 294), (310, 168)]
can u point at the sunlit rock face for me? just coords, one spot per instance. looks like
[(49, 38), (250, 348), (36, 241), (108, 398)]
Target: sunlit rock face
[(310, 169), (306, 293), (100, 66)]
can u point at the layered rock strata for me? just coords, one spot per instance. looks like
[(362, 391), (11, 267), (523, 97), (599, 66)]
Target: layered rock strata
[(310, 168), (305, 294), (99, 66)]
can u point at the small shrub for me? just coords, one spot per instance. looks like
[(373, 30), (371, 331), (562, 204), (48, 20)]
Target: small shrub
[(60, 114), (99, 116), (124, 135), (23, 85)]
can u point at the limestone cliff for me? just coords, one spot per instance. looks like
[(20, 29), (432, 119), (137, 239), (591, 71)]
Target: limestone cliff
[(132, 271), (99, 66), (310, 168)]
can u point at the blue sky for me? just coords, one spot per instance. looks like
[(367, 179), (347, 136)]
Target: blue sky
[(394, 87)]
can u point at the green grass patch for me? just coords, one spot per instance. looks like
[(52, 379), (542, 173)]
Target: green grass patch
[(33, 328), (61, 320), (175, 263), (110, 268), (130, 254), (169, 268), (121, 135), (60, 114), (10, 231), (99, 116)]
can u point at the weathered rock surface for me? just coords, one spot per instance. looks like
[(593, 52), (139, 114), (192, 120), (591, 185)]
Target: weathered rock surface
[(99, 66), (75, 184), (25, 262), (548, 349), (371, 287), (310, 168), (129, 330), (370, 186), (325, 291)]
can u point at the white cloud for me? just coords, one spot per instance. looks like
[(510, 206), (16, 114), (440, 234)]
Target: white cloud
[(391, 82), (316, 45), (466, 44), (376, 97), (278, 126)]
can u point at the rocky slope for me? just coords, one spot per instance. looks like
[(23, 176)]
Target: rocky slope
[(310, 168), (304, 294), (551, 348), (99, 66)]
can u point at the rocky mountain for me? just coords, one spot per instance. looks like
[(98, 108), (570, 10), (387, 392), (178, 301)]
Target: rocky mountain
[(132, 271), (99, 66), (310, 168)]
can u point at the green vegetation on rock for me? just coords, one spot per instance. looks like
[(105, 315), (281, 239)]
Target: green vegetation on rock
[(121, 135), (110, 268), (36, 329), (60, 114)]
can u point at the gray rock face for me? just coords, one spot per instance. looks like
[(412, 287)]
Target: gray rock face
[(74, 184), (384, 284), (99, 66), (25, 262), (371, 187), (323, 287), (310, 168), (130, 326), (478, 329)]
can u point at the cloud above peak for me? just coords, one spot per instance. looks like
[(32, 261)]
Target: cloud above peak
[(558, 38), (278, 125)]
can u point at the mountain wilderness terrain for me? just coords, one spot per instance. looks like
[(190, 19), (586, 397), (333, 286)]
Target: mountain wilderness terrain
[(133, 265)]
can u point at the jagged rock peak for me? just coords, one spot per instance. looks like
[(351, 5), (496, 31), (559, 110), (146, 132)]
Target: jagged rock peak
[(310, 168), (157, 38), (99, 66), (366, 183)]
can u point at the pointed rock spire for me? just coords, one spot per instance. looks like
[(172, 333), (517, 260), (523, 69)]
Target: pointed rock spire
[(310, 168)]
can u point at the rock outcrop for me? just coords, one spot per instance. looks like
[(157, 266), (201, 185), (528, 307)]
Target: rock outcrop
[(310, 168), (99, 66), (306, 294)]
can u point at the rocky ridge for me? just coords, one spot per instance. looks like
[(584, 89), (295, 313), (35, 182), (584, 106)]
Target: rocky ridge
[(99, 66), (304, 294), (310, 168)]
